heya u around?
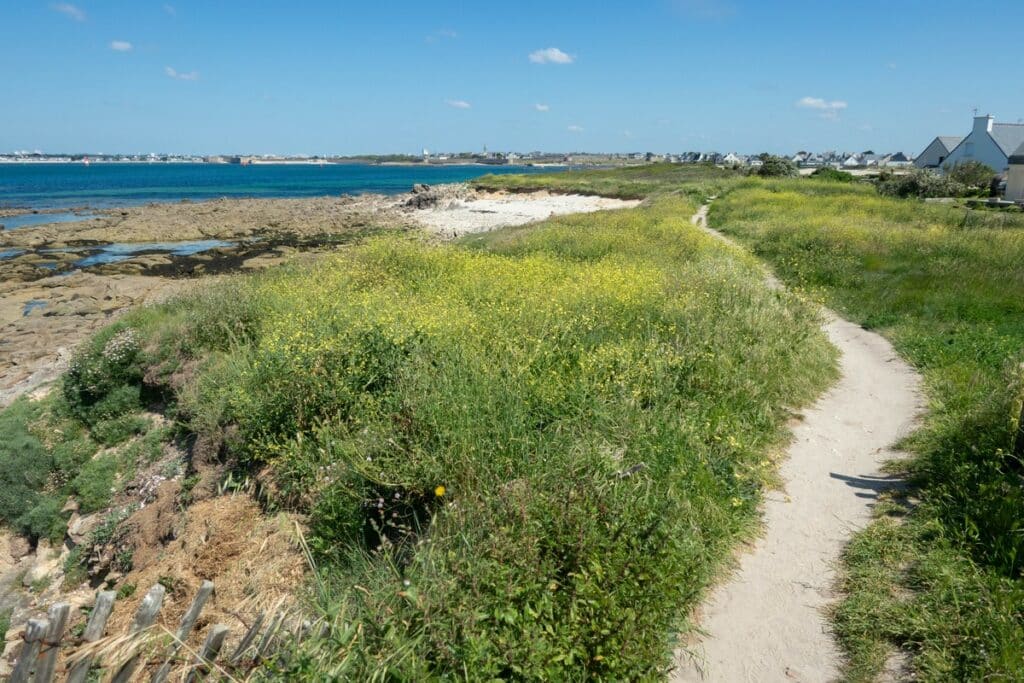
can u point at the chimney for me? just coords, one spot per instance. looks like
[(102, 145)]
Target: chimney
[(983, 124)]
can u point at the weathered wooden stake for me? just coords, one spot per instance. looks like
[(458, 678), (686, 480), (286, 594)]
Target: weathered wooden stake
[(188, 621), (93, 632), (34, 632), (247, 639), (144, 618), (58, 618), (211, 648)]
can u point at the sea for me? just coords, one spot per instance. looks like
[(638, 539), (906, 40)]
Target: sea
[(42, 186)]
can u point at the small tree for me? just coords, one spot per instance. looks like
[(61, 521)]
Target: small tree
[(776, 167)]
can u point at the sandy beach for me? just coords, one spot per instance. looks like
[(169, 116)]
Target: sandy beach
[(60, 283)]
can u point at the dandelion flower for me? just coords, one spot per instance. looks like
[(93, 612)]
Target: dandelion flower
[(439, 491)]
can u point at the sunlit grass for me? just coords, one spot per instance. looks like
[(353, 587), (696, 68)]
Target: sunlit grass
[(947, 286)]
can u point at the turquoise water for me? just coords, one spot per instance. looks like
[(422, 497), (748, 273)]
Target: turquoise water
[(112, 253), (29, 219), (61, 186)]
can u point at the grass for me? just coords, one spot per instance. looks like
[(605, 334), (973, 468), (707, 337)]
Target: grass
[(942, 582), (635, 182), (523, 456)]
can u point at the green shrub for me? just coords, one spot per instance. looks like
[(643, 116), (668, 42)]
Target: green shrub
[(104, 378), (117, 430), (775, 167), (25, 466), (920, 183), (833, 175), (974, 175), (94, 483)]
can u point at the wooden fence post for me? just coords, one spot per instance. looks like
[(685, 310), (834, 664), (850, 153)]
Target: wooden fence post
[(211, 648), (93, 632), (144, 618), (188, 621), (58, 618), (248, 639), (34, 632)]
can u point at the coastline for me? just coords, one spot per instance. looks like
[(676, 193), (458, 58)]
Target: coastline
[(50, 302)]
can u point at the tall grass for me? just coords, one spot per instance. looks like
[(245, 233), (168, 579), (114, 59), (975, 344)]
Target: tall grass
[(947, 286), (519, 457), (634, 182)]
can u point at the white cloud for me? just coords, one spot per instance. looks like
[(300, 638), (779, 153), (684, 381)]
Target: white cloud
[(541, 107), (551, 55), (171, 10), (458, 104), (829, 109), (69, 10), (575, 129), (120, 46), (627, 133), (177, 75)]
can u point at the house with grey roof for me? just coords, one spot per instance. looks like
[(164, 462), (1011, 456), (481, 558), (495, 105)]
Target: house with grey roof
[(937, 151), (989, 142), (1015, 178)]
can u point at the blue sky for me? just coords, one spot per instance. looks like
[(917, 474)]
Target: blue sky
[(345, 77)]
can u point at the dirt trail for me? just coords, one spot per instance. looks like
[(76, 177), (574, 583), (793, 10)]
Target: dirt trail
[(767, 622)]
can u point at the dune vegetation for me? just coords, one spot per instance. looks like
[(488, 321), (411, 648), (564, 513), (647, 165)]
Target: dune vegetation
[(523, 456), (939, 575)]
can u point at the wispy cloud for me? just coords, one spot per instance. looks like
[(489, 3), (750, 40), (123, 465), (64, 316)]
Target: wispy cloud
[(541, 107), (120, 46), (458, 104), (627, 133), (704, 9), (828, 109), (551, 55), (69, 10), (171, 10), (443, 34), (179, 76), (891, 66), (575, 129)]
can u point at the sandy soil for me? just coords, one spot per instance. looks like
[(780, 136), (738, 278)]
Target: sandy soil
[(767, 622), (481, 212)]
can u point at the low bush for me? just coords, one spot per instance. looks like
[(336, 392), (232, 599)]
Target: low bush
[(920, 183), (775, 167), (832, 174)]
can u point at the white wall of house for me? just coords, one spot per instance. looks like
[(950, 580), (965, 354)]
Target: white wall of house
[(932, 156), (1015, 183), (979, 146)]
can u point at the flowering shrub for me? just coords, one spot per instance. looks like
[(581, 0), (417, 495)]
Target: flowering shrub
[(102, 381)]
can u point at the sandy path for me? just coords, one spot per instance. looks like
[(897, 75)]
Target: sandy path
[(767, 621)]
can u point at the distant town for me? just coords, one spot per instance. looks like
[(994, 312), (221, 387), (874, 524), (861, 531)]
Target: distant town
[(804, 159)]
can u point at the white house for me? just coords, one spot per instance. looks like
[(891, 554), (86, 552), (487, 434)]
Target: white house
[(731, 158), (989, 142), (937, 151), (1015, 178)]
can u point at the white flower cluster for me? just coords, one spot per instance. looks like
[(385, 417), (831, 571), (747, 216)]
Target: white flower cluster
[(121, 346)]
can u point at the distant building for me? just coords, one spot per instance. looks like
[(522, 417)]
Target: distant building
[(937, 151), (1015, 178), (897, 160), (989, 142)]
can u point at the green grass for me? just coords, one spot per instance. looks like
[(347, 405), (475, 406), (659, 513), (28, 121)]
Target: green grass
[(634, 182), (523, 456), (947, 287)]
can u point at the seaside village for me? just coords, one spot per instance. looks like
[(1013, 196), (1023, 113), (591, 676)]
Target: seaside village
[(1000, 146)]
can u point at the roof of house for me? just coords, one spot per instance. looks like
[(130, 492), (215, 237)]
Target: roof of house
[(1017, 158), (1009, 136), (949, 141)]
